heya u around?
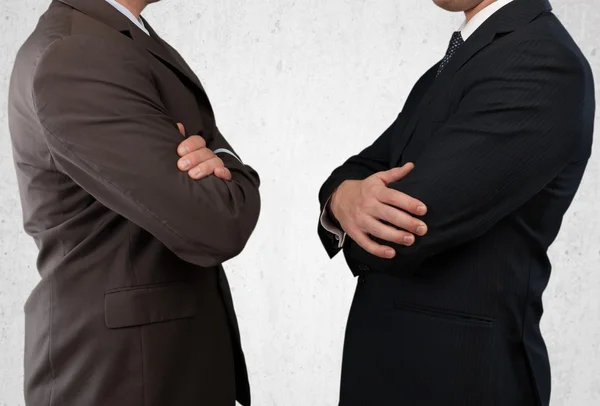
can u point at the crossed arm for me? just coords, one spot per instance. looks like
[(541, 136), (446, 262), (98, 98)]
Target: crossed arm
[(513, 133), (121, 147)]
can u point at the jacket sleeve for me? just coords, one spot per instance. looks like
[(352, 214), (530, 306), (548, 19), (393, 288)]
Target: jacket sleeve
[(108, 130), (373, 159), (514, 131)]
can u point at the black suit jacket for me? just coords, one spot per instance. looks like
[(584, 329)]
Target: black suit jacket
[(500, 141)]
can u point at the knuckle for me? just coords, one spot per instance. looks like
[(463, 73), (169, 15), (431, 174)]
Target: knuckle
[(400, 200), (204, 166), (194, 158), (210, 166), (376, 232), (394, 216), (413, 204), (362, 205), (399, 237), (367, 205), (359, 222), (378, 250), (393, 197), (415, 226), (370, 246), (198, 141), (206, 154)]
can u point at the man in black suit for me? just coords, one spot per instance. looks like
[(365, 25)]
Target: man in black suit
[(448, 216)]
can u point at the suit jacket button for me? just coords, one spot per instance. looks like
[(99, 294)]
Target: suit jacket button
[(361, 280)]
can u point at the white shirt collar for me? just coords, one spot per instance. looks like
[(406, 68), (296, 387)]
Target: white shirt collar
[(468, 28), (129, 14)]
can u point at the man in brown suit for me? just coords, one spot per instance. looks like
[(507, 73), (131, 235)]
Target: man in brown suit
[(133, 307)]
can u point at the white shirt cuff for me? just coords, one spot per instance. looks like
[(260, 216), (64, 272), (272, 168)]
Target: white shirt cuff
[(226, 151), (328, 224)]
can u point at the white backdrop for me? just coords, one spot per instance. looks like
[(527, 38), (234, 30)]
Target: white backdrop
[(298, 86)]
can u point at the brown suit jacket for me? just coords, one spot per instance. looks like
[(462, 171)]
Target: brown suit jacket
[(133, 307)]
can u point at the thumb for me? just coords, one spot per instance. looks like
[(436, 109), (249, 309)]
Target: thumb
[(181, 129), (395, 174)]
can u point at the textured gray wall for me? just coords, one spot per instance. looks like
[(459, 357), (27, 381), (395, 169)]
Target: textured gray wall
[(297, 87)]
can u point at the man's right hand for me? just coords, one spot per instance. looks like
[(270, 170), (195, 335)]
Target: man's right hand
[(361, 206), (197, 160)]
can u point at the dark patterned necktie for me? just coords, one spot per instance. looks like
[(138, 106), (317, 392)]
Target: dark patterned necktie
[(455, 43)]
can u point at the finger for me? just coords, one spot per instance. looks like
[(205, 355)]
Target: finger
[(377, 229), (395, 174), (195, 158), (191, 144), (371, 246), (181, 129), (223, 173), (206, 168), (401, 220), (402, 201)]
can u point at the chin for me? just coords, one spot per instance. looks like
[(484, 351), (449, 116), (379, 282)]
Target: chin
[(457, 5)]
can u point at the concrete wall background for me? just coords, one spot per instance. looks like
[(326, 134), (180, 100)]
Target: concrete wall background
[(298, 86)]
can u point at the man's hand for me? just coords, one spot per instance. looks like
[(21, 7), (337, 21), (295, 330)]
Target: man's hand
[(361, 207), (197, 160)]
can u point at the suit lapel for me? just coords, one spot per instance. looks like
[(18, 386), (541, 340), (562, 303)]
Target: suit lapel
[(104, 12), (402, 133), (467, 51), (170, 57), (513, 15), (164, 52)]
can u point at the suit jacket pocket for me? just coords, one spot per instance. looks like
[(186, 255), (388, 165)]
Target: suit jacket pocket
[(141, 305), (443, 357), (460, 317)]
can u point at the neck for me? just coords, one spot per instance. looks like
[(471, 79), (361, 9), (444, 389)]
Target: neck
[(472, 12), (135, 6)]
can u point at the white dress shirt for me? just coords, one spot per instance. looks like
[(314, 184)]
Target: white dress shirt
[(466, 29), (125, 11), (138, 21), (469, 27)]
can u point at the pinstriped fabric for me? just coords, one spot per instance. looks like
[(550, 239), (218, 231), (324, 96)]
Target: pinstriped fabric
[(500, 144)]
